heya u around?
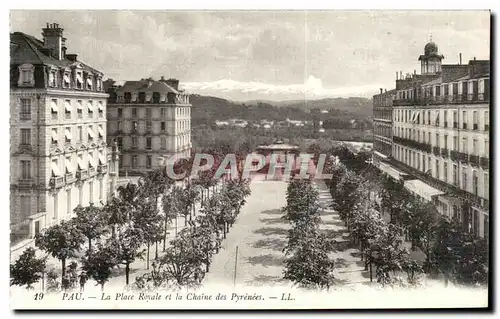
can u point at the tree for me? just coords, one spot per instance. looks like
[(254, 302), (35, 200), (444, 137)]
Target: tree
[(302, 201), (98, 266), (27, 269), (149, 222), (170, 212), (183, 260), (62, 241), (91, 222), (126, 248), (115, 215), (128, 199), (347, 196), (459, 255), (308, 264)]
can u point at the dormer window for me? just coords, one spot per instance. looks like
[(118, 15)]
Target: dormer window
[(26, 75), (52, 78), (127, 96), (89, 83), (79, 80), (66, 82), (99, 84)]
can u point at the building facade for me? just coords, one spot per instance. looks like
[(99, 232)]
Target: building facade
[(440, 149), (150, 121), (58, 152), (382, 124)]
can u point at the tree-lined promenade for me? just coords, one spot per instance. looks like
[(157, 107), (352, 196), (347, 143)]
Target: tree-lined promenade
[(131, 226), (138, 224)]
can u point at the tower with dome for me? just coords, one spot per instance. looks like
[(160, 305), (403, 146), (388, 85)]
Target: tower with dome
[(430, 61)]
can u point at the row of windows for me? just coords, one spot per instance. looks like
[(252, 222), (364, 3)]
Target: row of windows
[(439, 170), (66, 78), (424, 117), (135, 141), (463, 87), (382, 114), (181, 126), (25, 172), (68, 109), (423, 137), (155, 97), (179, 111), (68, 135)]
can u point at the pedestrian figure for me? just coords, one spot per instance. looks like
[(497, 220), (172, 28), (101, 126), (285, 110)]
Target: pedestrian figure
[(83, 280), (65, 283)]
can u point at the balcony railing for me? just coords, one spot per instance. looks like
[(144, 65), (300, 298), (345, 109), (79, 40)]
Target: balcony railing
[(25, 116), (474, 159), (25, 182), (413, 144), (484, 162), (462, 157), (67, 115), (475, 126), (455, 124), (57, 181), (444, 152), (455, 98), (69, 177), (454, 155), (102, 169), (82, 174), (436, 150)]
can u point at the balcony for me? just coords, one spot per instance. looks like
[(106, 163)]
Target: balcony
[(25, 182), (454, 155), (436, 150), (24, 116), (484, 162), (82, 174), (462, 157), (69, 178), (474, 159), (445, 99), (57, 182), (80, 115), (444, 152), (475, 127), (455, 124), (67, 115), (92, 171), (102, 169)]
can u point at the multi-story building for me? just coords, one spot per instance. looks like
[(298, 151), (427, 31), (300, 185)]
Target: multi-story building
[(440, 128), (382, 124), (151, 121), (58, 153)]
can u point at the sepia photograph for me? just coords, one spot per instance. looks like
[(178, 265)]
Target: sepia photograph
[(250, 159)]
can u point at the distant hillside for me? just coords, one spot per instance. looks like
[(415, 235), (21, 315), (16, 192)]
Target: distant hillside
[(357, 105), (207, 109)]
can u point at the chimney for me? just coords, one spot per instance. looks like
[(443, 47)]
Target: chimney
[(162, 78), (396, 75), (400, 75), (474, 58), (174, 83), (460, 58), (53, 40), (381, 90), (385, 90), (71, 57)]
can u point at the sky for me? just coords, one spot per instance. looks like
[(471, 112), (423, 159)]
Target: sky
[(265, 55)]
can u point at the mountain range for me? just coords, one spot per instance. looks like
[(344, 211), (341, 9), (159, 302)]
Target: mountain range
[(207, 109)]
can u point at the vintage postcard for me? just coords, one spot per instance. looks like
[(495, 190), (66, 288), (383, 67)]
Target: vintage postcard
[(249, 159)]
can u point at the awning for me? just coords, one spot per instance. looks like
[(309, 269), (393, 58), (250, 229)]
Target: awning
[(89, 81), (66, 78), (415, 119), (422, 189), (69, 167), (391, 171), (55, 169), (412, 117), (437, 117), (79, 105), (90, 106), (67, 106), (53, 107), (79, 77), (91, 133), (54, 136), (102, 160), (80, 163), (451, 200), (68, 134), (100, 106), (101, 132)]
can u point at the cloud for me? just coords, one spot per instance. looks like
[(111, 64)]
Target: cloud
[(311, 88)]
